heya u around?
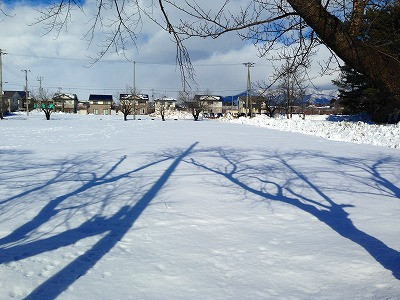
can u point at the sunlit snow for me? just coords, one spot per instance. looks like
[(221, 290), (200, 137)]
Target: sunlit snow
[(92, 207)]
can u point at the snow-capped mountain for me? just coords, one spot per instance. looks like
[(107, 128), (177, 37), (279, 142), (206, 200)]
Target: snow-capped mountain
[(320, 97), (312, 96)]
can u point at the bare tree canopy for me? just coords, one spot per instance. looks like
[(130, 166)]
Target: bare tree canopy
[(302, 24)]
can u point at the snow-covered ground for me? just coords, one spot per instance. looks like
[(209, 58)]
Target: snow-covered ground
[(92, 207)]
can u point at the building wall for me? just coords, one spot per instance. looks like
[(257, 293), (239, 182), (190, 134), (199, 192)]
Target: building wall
[(12, 103), (141, 107), (214, 107), (99, 109), (70, 106)]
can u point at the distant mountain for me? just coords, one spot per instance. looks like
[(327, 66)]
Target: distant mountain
[(320, 97), (312, 96)]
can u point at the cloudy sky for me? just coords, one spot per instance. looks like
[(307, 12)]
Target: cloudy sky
[(64, 60)]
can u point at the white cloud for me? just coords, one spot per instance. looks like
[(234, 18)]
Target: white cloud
[(218, 62)]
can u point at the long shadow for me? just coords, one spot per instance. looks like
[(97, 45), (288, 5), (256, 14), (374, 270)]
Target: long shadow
[(385, 186), (50, 209), (331, 213), (58, 177), (117, 226)]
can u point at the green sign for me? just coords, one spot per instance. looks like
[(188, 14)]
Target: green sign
[(44, 105)]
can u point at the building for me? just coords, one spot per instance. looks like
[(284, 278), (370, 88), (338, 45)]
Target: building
[(15, 100), (83, 107), (212, 104), (67, 103), (11, 100), (100, 104), (166, 103), (140, 104)]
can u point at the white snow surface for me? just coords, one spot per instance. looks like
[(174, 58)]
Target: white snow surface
[(341, 130), (92, 207)]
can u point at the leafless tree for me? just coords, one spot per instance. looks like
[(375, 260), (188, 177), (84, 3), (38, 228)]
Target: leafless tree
[(161, 108), (268, 23), (266, 100), (126, 105), (127, 101), (193, 103), (44, 102), (292, 78)]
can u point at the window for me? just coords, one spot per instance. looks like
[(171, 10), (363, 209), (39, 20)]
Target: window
[(96, 111), (105, 112)]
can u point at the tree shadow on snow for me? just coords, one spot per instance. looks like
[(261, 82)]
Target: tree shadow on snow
[(23, 243), (274, 176), (284, 177)]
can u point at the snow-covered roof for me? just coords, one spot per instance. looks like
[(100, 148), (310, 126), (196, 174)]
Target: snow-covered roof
[(208, 97), (65, 96), (130, 96)]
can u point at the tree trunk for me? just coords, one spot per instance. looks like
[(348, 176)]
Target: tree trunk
[(379, 67)]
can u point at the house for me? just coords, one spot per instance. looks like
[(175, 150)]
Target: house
[(83, 107), (259, 104), (65, 102), (15, 100), (140, 104), (212, 104), (100, 104), (166, 103)]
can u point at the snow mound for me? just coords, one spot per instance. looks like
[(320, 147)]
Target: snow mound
[(347, 131), (177, 115)]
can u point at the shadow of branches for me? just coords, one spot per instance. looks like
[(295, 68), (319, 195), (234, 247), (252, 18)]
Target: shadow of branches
[(89, 180), (288, 177)]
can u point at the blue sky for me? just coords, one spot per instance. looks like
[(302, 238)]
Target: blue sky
[(37, 2), (62, 60)]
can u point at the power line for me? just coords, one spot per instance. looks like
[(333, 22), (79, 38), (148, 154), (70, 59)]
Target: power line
[(127, 61)]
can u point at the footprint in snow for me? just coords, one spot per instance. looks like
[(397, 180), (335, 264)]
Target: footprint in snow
[(106, 274)]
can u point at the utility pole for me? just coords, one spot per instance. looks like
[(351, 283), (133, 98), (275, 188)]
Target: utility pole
[(40, 79), (134, 90), (59, 97), (1, 86), (248, 95), (26, 91)]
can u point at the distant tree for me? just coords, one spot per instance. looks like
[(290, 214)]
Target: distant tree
[(44, 102), (193, 103), (291, 78), (161, 108), (272, 103), (126, 105)]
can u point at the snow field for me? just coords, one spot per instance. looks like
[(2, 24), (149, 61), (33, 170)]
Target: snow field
[(92, 207)]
